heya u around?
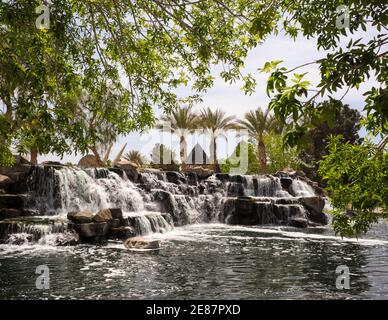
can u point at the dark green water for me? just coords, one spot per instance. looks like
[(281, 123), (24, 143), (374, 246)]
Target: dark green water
[(207, 262)]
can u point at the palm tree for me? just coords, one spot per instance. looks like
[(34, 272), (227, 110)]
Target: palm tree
[(215, 122), (180, 122), (135, 156), (258, 123)]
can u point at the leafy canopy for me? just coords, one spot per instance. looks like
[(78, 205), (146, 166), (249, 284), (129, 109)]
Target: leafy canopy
[(361, 185), (128, 58)]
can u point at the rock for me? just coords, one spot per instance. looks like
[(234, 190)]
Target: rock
[(285, 182), (300, 173), (314, 207), (52, 163), (175, 177), (92, 231), (237, 178), (130, 168), (7, 213), (12, 201), (298, 223), (118, 171), (126, 164), (115, 223), (103, 216), (6, 183), (223, 176), (89, 161), (253, 211), (141, 243), (202, 173), (192, 178), (18, 174), (116, 213), (123, 232), (168, 204), (81, 217)]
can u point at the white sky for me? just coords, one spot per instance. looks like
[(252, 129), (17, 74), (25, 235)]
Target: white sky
[(231, 99)]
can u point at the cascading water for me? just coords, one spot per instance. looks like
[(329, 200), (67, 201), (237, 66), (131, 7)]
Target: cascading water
[(59, 191), (157, 201), (301, 189)]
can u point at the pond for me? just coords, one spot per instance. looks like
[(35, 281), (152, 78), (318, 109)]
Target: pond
[(205, 261)]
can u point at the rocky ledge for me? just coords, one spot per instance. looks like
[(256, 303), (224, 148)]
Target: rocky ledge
[(297, 212), (111, 224)]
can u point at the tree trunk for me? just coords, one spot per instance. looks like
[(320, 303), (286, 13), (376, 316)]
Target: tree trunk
[(182, 151), (213, 153), (97, 156), (8, 112), (262, 156), (34, 156)]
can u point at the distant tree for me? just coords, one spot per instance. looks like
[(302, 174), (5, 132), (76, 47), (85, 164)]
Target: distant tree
[(280, 156), (162, 154), (233, 161), (259, 123), (136, 157), (181, 122), (346, 123), (215, 123)]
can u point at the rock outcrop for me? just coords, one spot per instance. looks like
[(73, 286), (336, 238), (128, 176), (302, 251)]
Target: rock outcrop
[(81, 217), (89, 161), (142, 244), (130, 168)]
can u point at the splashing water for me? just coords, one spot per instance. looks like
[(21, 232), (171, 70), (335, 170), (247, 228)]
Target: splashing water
[(301, 188)]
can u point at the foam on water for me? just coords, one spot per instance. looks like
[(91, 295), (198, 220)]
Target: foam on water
[(203, 232)]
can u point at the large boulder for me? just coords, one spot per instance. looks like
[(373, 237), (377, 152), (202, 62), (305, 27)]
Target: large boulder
[(264, 211), (130, 168), (81, 217), (175, 177), (202, 173), (92, 231), (89, 161), (314, 206), (12, 201), (127, 164), (18, 174), (123, 232), (103, 215), (6, 183), (286, 182), (141, 243), (116, 213)]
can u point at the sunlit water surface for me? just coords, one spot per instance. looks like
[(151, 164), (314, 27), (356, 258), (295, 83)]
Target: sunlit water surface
[(207, 261)]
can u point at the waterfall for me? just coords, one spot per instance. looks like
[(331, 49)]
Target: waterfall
[(156, 202), (44, 231), (148, 223), (59, 191), (301, 189), (269, 186)]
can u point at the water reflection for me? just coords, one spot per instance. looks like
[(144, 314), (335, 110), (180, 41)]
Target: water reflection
[(204, 261)]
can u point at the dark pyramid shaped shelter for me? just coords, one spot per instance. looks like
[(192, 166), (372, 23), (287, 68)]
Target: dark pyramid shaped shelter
[(197, 156)]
